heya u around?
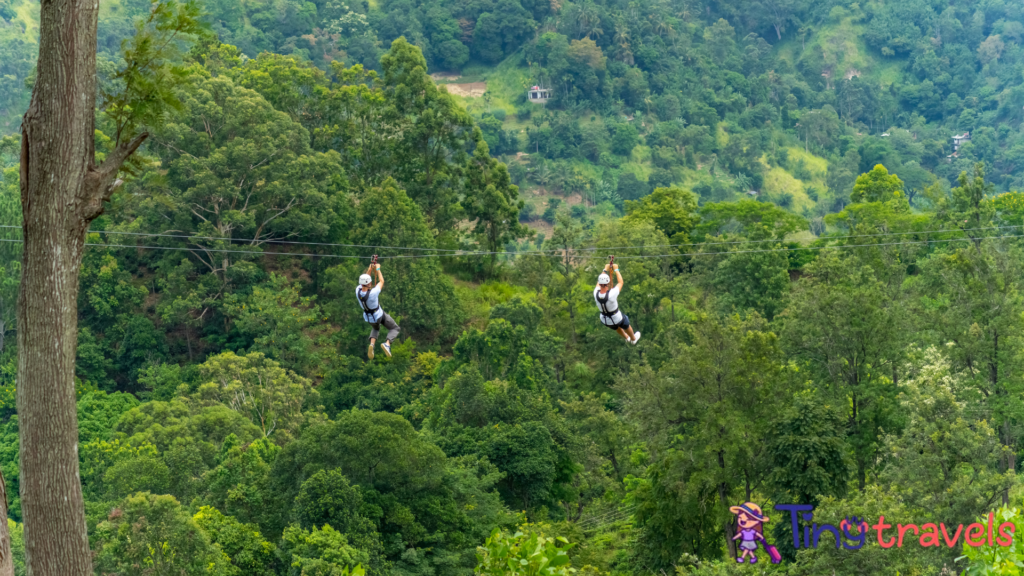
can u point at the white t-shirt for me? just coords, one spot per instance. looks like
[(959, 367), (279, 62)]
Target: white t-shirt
[(611, 304), (372, 301)]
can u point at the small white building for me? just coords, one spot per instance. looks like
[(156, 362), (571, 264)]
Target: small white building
[(538, 95), (959, 139)]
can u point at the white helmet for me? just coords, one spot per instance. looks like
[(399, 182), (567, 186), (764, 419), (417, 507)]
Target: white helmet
[(603, 278), (365, 280)]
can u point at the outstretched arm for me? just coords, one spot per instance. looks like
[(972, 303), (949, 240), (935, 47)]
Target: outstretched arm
[(619, 278), (380, 278)]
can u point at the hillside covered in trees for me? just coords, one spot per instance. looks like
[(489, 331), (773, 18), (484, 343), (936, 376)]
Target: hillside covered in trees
[(828, 294)]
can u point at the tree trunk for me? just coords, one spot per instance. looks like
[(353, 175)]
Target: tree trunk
[(6, 559), (727, 528), (62, 191)]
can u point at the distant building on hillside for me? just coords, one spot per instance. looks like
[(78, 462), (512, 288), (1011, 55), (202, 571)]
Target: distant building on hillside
[(538, 95), (959, 139)]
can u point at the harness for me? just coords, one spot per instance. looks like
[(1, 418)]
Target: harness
[(603, 303), (362, 302)]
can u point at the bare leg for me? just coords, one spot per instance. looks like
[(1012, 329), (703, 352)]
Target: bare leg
[(373, 341), (623, 334), (629, 330)]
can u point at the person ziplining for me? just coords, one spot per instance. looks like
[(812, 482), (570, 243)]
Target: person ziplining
[(369, 300), (607, 299)]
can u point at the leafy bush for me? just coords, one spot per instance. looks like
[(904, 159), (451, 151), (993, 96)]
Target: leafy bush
[(526, 552)]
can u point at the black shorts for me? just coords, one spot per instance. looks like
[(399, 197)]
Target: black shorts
[(624, 324)]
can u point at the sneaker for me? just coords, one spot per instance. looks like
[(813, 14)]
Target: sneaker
[(369, 352), (636, 337), (387, 348)]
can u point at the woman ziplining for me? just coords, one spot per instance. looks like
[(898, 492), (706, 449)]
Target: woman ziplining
[(607, 299), (369, 300)]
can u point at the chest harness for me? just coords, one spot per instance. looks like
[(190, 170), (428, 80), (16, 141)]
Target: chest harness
[(362, 302), (603, 303)]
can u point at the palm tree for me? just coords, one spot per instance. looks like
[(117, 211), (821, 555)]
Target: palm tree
[(622, 38), (587, 18), (661, 25), (543, 175), (743, 183)]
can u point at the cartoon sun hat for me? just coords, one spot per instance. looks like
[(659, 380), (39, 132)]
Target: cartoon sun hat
[(603, 278), (750, 509), (364, 280)]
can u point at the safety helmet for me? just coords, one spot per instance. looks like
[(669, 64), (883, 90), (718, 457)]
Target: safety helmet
[(365, 280), (603, 278)]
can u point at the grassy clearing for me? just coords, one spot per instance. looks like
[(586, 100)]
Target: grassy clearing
[(817, 164), (841, 40), (108, 8), (28, 15), (777, 180), (505, 83)]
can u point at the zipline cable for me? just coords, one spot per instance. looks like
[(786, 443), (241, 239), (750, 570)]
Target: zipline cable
[(459, 252), (681, 254)]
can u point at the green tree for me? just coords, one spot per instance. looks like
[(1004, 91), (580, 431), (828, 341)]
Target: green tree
[(754, 220), (942, 434), (243, 543), (493, 201), (320, 552), (431, 132), (841, 325), (807, 452), (240, 482), (240, 171), (755, 276), (405, 479), (569, 238), (65, 183), (706, 415), (877, 186), (624, 138), (271, 397), (672, 210), (328, 499), (155, 532), (976, 304), (807, 458), (279, 321)]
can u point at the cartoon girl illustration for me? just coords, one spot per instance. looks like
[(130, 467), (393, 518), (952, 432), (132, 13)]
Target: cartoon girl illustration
[(750, 521)]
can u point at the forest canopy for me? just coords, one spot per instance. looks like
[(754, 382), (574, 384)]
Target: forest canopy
[(827, 284)]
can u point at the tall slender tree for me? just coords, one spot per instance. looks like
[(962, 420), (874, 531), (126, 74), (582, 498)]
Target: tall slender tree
[(63, 189)]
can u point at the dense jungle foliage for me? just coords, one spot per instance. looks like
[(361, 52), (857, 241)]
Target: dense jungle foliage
[(828, 295)]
